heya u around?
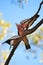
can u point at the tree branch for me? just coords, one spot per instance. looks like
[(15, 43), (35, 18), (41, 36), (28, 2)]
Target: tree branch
[(11, 54), (30, 31)]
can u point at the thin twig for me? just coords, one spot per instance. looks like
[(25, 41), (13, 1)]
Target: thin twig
[(11, 54)]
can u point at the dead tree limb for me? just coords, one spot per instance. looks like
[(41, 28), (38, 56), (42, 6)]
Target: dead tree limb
[(14, 48)]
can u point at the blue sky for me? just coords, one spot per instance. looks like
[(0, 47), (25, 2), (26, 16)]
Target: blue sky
[(14, 14)]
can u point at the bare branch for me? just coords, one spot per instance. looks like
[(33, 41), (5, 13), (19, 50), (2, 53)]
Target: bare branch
[(30, 31)]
